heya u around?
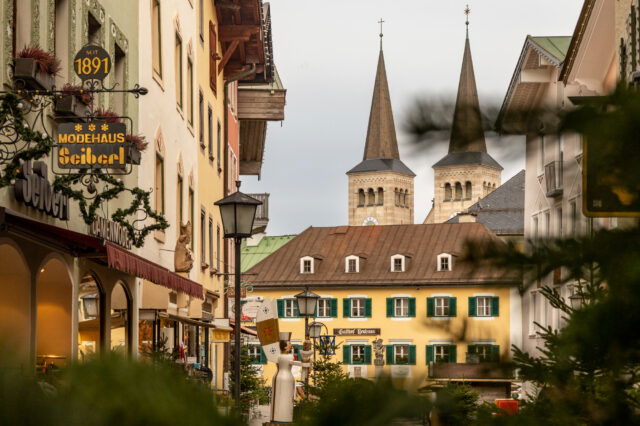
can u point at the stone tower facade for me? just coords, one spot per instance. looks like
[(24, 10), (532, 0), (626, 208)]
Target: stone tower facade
[(381, 186), (467, 172)]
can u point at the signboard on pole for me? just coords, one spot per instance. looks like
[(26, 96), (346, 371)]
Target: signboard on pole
[(92, 145)]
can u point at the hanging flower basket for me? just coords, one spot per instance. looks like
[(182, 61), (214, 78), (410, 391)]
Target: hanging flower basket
[(34, 69), (137, 142)]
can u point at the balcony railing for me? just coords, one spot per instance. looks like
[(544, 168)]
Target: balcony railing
[(553, 178)]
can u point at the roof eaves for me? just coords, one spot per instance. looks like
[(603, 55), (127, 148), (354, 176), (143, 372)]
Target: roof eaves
[(576, 39)]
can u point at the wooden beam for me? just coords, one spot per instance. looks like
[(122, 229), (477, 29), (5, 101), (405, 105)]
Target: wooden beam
[(227, 55), (237, 32), (225, 4)]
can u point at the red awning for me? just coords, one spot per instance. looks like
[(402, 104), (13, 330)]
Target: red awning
[(125, 261)]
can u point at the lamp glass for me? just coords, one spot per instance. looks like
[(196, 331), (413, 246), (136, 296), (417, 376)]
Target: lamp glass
[(307, 302), (576, 301), (315, 329), (228, 213), (245, 213)]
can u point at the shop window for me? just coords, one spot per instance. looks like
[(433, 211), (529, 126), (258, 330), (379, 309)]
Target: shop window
[(90, 321), (120, 319)]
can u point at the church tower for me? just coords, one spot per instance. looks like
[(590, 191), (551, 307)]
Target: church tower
[(467, 173), (381, 186)]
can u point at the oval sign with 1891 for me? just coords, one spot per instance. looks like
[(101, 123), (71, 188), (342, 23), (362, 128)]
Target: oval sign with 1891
[(92, 63)]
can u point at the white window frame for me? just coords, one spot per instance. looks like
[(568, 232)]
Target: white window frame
[(486, 354), (399, 350), (253, 351), (361, 351), (401, 307), (402, 264), (486, 312), (447, 257), (346, 264), (353, 308), (289, 308), (311, 263), (441, 353), (445, 306), (326, 301)]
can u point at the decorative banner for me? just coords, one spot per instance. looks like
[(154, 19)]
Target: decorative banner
[(110, 231), (268, 329), (356, 331), (33, 189), (93, 145), (92, 63)]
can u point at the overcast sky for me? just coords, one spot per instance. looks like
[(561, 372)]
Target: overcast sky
[(326, 53)]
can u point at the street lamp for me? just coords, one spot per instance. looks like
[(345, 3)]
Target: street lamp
[(576, 301), (315, 328), (307, 302), (238, 212)]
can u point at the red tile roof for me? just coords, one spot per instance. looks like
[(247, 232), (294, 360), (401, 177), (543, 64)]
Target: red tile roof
[(375, 245)]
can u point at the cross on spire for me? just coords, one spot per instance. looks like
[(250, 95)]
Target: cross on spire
[(467, 11), (381, 21)]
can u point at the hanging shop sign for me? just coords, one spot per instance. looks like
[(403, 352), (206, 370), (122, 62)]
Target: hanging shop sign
[(356, 331), (33, 189), (93, 145), (92, 63), (110, 231)]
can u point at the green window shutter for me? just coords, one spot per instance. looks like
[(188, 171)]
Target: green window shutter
[(495, 353), (472, 349), (453, 307), (390, 359), (334, 308), (367, 308), (280, 308), (453, 356), (296, 312), (431, 306), (429, 353), (346, 308), (412, 306), (495, 306), (367, 354), (472, 307), (412, 354), (346, 354), (263, 356), (390, 303)]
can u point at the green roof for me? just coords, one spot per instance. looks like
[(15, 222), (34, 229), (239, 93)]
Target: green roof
[(556, 46), (252, 255)]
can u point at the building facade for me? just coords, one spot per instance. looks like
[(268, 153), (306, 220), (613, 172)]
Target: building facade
[(404, 284), (381, 186), (467, 173)]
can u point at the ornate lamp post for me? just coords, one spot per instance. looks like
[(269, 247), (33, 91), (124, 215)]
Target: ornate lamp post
[(238, 212), (307, 303), (576, 301)]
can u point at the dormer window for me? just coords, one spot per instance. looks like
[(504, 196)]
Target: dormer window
[(397, 263), (444, 262), (306, 265), (352, 264)]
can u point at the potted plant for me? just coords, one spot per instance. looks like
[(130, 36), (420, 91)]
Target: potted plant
[(74, 102), (137, 143), (35, 69)]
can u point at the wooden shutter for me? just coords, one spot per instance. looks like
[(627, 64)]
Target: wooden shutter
[(452, 306), (390, 310), (280, 308), (346, 354), (334, 308), (495, 353), (431, 306), (472, 307), (346, 308), (213, 61), (296, 312), (495, 306), (452, 354), (367, 354), (429, 353), (390, 357), (412, 306), (367, 308), (412, 354)]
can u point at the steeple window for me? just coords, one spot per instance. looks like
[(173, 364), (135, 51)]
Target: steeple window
[(380, 196), (458, 191), (361, 198), (396, 193), (447, 192), (467, 190), (371, 195)]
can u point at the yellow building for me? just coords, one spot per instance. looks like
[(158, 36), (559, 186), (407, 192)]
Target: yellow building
[(406, 285)]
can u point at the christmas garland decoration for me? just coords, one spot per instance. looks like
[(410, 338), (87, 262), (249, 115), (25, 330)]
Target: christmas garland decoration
[(12, 117)]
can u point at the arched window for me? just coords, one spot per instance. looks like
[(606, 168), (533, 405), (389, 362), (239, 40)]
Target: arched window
[(458, 191), (371, 201), (361, 197), (380, 196), (396, 195), (467, 190), (447, 192), (406, 198)]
